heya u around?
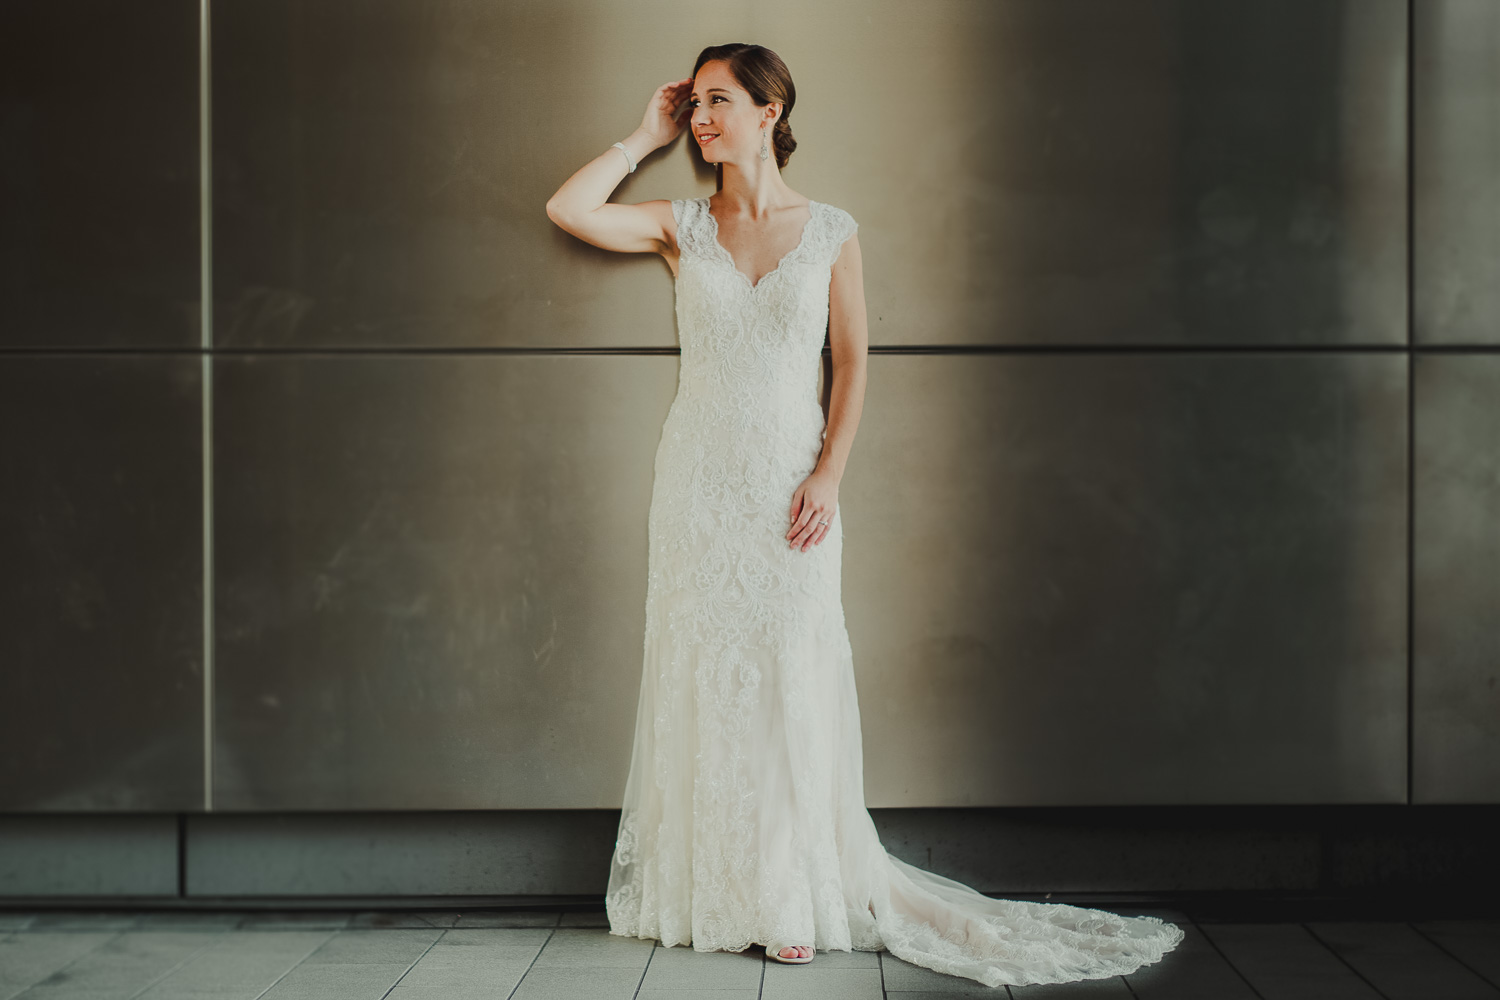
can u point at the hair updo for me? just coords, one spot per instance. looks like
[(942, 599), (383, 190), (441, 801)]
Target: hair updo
[(767, 80)]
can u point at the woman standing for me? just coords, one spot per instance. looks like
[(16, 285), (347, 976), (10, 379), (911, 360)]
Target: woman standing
[(744, 819)]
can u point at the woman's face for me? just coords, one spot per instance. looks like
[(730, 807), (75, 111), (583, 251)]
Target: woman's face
[(723, 109)]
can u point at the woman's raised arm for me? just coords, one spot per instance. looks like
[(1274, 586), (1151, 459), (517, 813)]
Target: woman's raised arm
[(581, 206)]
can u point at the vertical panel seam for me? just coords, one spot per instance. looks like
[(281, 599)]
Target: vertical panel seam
[(1411, 385), (205, 351)]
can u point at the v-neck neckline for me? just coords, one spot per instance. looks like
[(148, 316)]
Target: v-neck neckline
[(729, 257)]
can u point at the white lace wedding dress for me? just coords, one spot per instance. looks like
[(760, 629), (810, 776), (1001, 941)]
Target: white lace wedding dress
[(744, 818)]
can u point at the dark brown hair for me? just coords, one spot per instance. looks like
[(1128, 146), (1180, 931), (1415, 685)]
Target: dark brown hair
[(766, 78)]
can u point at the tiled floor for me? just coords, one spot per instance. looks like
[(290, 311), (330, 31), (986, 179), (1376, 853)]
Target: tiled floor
[(528, 955)]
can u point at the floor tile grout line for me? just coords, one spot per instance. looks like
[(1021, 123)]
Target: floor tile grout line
[(76, 959), (1433, 941), (645, 971), (297, 965), (174, 969), (1336, 954), (532, 964), (442, 933), (1227, 961)]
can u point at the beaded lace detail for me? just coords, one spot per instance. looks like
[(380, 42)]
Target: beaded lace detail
[(744, 818)]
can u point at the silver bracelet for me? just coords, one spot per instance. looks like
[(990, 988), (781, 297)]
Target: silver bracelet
[(628, 158)]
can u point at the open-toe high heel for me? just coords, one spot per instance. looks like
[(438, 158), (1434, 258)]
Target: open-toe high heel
[(773, 950)]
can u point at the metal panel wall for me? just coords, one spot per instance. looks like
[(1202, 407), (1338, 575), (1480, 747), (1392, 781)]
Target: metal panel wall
[(1068, 172), (1177, 174), (431, 578), (1455, 163), (1456, 607), (1130, 579), (99, 180), (101, 665), (382, 168), (1165, 576)]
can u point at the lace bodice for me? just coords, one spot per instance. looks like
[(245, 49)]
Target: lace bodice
[(750, 353)]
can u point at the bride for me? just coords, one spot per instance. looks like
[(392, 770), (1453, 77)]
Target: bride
[(744, 819)]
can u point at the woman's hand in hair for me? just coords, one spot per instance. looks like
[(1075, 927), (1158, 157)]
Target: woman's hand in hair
[(668, 111)]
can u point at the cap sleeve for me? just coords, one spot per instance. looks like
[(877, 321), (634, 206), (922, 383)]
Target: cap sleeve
[(840, 227), (689, 228)]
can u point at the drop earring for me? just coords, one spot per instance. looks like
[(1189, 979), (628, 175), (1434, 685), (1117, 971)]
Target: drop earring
[(764, 133)]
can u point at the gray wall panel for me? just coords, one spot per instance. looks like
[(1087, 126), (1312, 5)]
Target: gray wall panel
[(1149, 579), (480, 853), (100, 856), (99, 179), (1456, 172), (431, 578), (1456, 605), (101, 665), (1072, 171), (383, 169)]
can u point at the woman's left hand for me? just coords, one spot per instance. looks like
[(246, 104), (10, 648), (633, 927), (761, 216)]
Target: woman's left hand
[(816, 499)]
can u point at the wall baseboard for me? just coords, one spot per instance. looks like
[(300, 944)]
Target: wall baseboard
[(1322, 856)]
